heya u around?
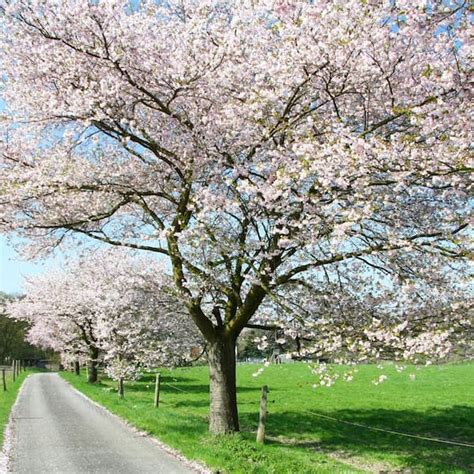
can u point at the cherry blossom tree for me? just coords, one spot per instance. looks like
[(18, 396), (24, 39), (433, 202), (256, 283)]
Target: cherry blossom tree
[(256, 144), (141, 324), (108, 306)]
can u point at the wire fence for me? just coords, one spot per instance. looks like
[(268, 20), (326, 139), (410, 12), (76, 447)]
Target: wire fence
[(373, 428), (383, 430)]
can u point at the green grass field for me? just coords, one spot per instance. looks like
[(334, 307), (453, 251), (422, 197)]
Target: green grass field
[(438, 404), (7, 399)]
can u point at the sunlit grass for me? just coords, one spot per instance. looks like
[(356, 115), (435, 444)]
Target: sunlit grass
[(439, 403)]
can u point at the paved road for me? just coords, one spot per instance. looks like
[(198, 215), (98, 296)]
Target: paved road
[(56, 430)]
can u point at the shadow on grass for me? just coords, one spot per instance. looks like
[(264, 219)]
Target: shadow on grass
[(190, 403), (169, 387), (175, 385), (453, 424), (150, 378)]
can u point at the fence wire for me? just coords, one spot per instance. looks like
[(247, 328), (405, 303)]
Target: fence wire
[(408, 435)]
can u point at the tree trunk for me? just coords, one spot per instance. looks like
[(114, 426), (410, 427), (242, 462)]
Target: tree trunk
[(223, 416), (120, 387), (77, 368), (92, 375)]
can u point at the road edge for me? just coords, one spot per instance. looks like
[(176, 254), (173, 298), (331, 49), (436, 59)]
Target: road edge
[(8, 433), (199, 467)]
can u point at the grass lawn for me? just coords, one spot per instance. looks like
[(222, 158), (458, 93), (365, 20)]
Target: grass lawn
[(7, 399), (438, 404)]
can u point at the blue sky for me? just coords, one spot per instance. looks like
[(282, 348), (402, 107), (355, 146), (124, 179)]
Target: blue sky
[(13, 269)]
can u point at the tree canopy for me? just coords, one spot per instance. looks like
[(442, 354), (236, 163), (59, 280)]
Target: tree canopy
[(259, 145)]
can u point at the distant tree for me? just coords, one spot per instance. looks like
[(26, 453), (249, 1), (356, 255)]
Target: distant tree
[(108, 306), (13, 344), (11, 334)]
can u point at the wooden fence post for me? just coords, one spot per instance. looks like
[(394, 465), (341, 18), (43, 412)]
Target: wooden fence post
[(263, 416), (157, 390), (14, 369), (4, 380)]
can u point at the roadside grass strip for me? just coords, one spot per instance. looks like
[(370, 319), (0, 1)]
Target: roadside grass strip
[(7, 401)]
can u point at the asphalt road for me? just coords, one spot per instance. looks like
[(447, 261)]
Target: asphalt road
[(56, 430)]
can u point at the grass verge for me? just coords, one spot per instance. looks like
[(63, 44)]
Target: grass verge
[(7, 399), (438, 404)]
